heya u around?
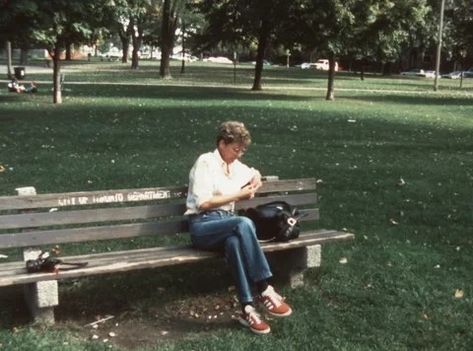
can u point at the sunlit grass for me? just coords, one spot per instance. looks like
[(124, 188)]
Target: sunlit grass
[(414, 243)]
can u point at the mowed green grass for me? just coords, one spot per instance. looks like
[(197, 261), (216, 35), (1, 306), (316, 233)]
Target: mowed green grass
[(407, 281)]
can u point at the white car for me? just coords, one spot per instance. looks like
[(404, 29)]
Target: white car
[(323, 64), (305, 65), (429, 74), (218, 59), (418, 72), (452, 75)]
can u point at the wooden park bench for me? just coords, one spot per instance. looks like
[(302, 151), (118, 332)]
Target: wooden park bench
[(32, 223)]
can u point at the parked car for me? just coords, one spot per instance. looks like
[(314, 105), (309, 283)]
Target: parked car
[(452, 75), (306, 65), (429, 74), (265, 63), (418, 72), (323, 64), (468, 73), (218, 59)]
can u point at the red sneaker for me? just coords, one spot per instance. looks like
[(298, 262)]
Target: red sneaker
[(251, 319), (274, 303)]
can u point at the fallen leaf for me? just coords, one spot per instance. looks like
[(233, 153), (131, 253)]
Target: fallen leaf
[(401, 182), (393, 221), (343, 260), (459, 293)]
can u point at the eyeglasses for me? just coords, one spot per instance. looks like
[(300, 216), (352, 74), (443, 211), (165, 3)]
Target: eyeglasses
[(239, 150)]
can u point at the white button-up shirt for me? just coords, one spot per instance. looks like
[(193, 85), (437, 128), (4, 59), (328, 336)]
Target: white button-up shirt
[(208, 178)]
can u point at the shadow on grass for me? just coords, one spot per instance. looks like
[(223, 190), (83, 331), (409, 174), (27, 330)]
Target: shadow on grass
[(148, 294), (453, 101), (177, 92)]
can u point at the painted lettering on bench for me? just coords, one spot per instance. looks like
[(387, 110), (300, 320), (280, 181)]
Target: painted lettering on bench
[(105, 199), (148, 195), (115, 197), (67, 201)]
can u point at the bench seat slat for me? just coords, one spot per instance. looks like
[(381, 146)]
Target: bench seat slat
[(132, 195), (33, 220), (157, 257)]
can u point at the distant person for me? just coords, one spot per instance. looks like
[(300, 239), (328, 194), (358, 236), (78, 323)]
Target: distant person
[(15, 87), (216, 181), (32, 88)]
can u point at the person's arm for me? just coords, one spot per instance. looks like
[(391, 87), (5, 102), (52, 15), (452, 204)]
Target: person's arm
[(247, 192)]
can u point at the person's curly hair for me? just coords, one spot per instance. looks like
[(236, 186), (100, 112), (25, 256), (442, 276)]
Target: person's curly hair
[(233, 132)]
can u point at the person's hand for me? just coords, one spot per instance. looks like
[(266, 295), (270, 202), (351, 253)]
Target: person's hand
[(247, 192), (255, 182)]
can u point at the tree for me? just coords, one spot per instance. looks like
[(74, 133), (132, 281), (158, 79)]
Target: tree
[(169, 22), (16, 19), (458, 32), (52, 23), (329, 27), (383, 29), (242, 23)]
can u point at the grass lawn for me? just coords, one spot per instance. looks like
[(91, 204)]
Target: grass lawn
[(395, 162)]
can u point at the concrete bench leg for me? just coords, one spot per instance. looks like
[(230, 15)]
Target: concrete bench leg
[(41, 297), (290, 265)]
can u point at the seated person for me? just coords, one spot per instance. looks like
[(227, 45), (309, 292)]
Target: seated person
[(32, 88), (15, 87)]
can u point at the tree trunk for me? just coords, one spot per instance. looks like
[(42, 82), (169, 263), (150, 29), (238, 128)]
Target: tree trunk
[(68, 51), (167, 40), (331, 77), (362, 73), (134, 58), (57, 97), (24, 56), (263, 40), (137, 39), (125, 39), (183, 42), (9, 60), (387, 69)]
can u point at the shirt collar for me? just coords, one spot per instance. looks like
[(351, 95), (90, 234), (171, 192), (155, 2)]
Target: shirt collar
[(222, 163)]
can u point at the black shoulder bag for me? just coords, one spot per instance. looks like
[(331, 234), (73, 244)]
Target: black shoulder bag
[(274, 221)]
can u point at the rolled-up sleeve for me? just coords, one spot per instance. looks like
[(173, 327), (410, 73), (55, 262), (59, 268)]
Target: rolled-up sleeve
[(244, 173), (201, 180)]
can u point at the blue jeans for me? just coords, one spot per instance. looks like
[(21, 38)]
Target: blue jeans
[(221, 230)]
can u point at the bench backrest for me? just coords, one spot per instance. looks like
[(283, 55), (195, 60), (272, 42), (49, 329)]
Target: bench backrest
[(45, 219)]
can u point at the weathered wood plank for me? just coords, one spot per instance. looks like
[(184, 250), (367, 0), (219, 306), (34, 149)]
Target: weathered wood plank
[(162, 257), (302, 184), (91, 197), (106, 232), (46, 237), (295, 199), (35, 220), (131, 195)]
